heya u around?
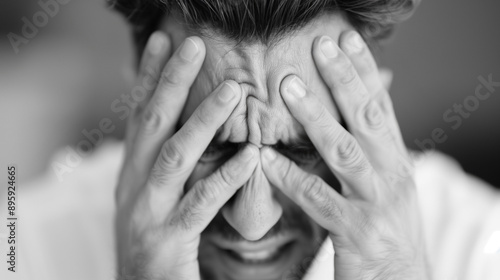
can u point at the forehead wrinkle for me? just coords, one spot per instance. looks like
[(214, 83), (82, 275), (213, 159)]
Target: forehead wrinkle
[(237, 63), (259, 70), (266, 117)]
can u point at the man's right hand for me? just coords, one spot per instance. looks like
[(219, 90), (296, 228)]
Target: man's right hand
[(158, 223)]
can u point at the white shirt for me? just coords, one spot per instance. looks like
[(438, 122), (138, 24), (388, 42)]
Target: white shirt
[(65, 228)]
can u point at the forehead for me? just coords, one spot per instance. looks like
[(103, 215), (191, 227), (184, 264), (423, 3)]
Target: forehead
[(261, 117)]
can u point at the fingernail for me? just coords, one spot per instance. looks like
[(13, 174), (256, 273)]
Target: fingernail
[(189, 49), (156, 43), (355, 43), (328, 48), (296, 88), (269, 154), (226, 93), (247, 154)]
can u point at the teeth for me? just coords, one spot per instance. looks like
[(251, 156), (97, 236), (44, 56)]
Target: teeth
[(258, 256)]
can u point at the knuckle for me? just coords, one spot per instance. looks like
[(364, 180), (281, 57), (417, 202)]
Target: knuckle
[(152, 119), (315, 192), (229, 175), (171, 77), (347, 73), (351, 157), (313, 188), (157, 177), (187, 133), (186, 219), (171, 156), (331, 211), (205, 195), (347, 148), (370, 115), (317, 116), (150, 80), (204, 116)]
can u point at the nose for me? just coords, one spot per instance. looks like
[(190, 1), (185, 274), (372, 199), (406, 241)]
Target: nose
[(254, 210)]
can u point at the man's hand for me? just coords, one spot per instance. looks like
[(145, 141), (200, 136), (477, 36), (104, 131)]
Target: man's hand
[(375, 225), (159, 224)]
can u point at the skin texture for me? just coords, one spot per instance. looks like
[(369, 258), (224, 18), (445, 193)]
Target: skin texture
[(179, 205), (262, 119)]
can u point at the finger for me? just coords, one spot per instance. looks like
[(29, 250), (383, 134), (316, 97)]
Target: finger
[(320, 201), (156, 54), (162, 113), (363, 114), (361, 58), (181, 152), (202, 202), (376, 81), (339, 149)]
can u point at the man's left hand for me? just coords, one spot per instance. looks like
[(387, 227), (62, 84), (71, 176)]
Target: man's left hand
[(375, 224)]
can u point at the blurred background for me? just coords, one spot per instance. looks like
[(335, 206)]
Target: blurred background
[(64, 79)]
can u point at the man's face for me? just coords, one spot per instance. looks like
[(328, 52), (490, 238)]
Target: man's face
[(260, 233)]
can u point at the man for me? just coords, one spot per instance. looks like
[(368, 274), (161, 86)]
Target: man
[(266, 148), (261, 169)]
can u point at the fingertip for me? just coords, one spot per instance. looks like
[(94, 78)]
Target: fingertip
[(157, 42), (292, 88), (198, 43), (197, 40), (285, 83), (272, 163), (156, 52), (268, 155), (351, 42), (275, 166), (228, 91), (235, 87), (249, 152), (325, 50)]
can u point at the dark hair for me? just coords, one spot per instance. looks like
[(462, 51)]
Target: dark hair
[(263, 20)]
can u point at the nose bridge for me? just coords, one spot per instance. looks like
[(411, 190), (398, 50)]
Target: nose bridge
[(268, 121), (254, 210)]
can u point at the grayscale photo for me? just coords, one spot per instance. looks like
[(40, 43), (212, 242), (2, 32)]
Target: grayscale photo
[(250, 140)]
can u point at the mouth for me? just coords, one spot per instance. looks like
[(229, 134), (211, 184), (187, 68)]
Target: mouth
[(261, 256), (266, 259)]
